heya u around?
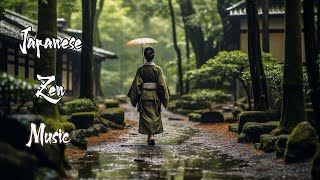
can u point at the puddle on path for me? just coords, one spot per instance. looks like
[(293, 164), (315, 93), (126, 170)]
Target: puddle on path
[(180, 155)]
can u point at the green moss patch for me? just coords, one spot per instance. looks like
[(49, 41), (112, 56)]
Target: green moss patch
[(111, 103), (83, 120), (233, 128), (252, 116), (268, 142), (302, 143), (252, 131), (280, 145), (115, 115), (194, 117), (79, 105)]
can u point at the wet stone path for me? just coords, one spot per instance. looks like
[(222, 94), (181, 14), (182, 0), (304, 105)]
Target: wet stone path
[(181, 152)]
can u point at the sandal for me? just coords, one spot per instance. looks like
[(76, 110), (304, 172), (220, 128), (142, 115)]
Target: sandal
[(151, 142)]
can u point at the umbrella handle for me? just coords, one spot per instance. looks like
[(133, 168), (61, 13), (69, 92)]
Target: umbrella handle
[(142, 54)]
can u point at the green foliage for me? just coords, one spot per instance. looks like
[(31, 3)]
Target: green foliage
[(224, 66), (79, 105), (208, 18), (208, 96), (1, 10), (12, 88)]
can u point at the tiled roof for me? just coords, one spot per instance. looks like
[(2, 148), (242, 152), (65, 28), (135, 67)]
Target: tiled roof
[(276, 7), (12, 24)]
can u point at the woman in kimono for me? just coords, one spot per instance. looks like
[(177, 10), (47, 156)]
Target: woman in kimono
[(149, 90)]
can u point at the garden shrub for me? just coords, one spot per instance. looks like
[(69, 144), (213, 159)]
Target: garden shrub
[(14, 88), (79, 105)]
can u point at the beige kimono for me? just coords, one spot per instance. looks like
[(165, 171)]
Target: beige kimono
[(148, 90)]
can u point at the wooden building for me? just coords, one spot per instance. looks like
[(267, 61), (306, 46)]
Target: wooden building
[(68, 66), (237, 13)]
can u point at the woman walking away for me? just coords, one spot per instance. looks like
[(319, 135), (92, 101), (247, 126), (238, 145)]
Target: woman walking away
[(148, 90)]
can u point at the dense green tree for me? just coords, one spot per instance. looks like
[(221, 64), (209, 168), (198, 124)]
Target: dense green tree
[(203, 41), (66, 8), (24, 7), (258, 78), (176, 47), (293, 111), (311, 49), (86, 77)]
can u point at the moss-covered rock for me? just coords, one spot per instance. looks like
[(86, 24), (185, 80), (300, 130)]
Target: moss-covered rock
[(233, 128), (195, 117), (252, 116), (48, 155), (302, 143), (83, 120), (100, 128), (190, 105), (252, 131), (115, 115), (268, 142), (110, 124), (316, 165), (78, 139), (79, 105), (90, 132), (236, 111), (212, 117), (16, 164), (281, 144), (111, 103)]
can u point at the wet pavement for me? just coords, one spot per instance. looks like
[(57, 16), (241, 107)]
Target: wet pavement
[(183, 151)]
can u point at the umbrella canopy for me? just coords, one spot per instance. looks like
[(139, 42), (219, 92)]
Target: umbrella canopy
[(141, 42)]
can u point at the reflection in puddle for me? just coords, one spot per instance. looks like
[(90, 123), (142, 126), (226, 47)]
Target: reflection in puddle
[(157, 162)]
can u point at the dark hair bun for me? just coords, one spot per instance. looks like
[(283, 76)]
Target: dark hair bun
[(148, 53)]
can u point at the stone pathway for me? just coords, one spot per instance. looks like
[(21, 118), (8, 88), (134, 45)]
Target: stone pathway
[(184, 151)]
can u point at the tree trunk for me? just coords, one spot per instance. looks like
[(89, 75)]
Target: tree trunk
[(230, 26), (258, 79), (96, 39), (311, 49), (176, 47), (265, 25), (195, 33), (86, 77), (293, 111), (46, 65), (188, 61), (318, 25)]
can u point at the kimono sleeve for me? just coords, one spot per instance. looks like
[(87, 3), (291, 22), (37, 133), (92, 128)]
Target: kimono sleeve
[(135, 89), (163, 89)]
